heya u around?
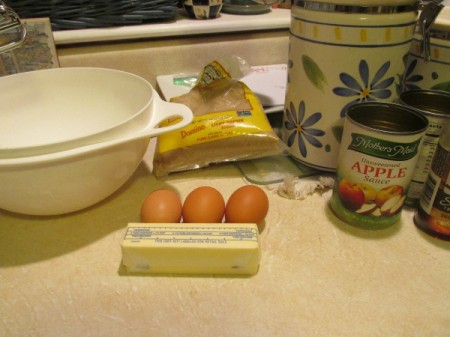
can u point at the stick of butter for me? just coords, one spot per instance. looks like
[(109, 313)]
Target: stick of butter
[(191, 248)]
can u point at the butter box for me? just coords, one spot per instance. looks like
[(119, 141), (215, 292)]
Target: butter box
[(191, 248)]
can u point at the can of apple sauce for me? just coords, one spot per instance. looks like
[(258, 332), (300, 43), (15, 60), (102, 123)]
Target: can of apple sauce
[(377, 156)]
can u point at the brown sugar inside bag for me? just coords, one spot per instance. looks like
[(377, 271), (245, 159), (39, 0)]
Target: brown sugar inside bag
[(218, 96), (229, 125)]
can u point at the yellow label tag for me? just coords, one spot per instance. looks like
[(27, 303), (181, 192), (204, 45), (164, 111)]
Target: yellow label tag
[(212, 72)]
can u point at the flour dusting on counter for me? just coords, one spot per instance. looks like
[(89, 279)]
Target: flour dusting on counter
[(300, 188)]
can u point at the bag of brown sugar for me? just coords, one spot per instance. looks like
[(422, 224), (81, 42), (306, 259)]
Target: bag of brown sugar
[(229, 124)]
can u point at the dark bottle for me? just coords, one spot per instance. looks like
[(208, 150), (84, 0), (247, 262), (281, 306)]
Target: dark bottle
[(433, 213)]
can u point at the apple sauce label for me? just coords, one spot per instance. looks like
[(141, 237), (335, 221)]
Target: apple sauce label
[(388, 161), (383, 148), (373, 173)]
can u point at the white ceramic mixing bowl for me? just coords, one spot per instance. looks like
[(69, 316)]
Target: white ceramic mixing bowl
[(72, 179), (57, 109)]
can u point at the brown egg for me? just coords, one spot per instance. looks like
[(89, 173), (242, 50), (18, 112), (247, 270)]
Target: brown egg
[(204, 204), (161, 206), (248, 204)]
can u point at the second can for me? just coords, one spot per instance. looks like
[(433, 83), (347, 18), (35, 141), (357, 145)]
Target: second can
[(379, 150), (435, 106)]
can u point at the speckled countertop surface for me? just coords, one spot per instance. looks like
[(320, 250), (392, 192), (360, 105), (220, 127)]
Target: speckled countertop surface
[(62, 276)]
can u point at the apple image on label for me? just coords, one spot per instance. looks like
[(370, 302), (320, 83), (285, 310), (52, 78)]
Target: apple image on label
[(370, 193), (387, 193), (367, 209), (393, 205), (351, 194)]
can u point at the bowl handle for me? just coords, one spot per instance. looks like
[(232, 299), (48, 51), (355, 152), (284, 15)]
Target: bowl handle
[(162, 111)]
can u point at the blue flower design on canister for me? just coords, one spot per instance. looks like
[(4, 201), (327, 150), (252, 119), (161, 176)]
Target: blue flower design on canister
[(301, 129), (410, 79), (365, 90)]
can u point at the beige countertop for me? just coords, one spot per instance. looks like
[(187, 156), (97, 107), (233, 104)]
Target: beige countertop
[(62, 276)]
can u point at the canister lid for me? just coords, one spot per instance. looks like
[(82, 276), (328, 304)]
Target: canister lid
[(359, 6), (368, 2)]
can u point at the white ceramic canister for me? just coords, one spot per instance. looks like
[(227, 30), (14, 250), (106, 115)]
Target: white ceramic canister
[(432, 72), (341, 54)]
